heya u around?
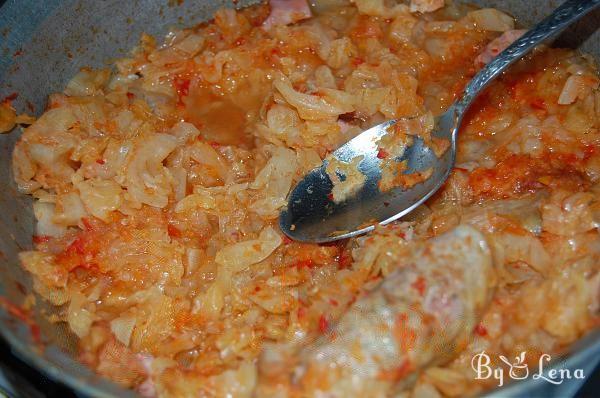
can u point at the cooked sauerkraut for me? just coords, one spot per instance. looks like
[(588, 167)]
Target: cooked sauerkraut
[(158, 186)]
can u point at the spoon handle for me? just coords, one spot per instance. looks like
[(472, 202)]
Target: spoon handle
[(559, 20)]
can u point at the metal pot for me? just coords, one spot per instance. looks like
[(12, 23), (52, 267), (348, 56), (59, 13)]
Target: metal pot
[(43, 44)]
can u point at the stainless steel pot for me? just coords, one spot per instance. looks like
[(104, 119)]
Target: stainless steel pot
[(44, 43)]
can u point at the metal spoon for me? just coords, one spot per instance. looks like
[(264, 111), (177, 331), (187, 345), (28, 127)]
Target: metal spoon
[(312, 216)]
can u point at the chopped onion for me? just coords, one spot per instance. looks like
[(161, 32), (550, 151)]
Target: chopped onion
[(122, 327)]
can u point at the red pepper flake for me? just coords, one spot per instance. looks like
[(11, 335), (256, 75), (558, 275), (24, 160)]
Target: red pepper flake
[(173, 231), (323, 323), (386, 204), (240, 41), (37, 239), (17, 53), (182, 86), (130, 95), (257, 289), (333, 302), (344, 260), (301, 312), (214, 144), (80, 253), (87, 223), (100, 161), (480, 330), (287, 240), (14, 309), (404, 334), (538, 103), (357, 61), (382, 153), (36, 333), (307, 263), (77, 246), (330, 196), (419, 285)]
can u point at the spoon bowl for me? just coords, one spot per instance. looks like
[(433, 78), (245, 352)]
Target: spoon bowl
[(312, 216)]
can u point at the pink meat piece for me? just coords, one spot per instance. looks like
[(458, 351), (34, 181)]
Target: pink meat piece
[(285, 12), (497, 45), (147, 389), (344, 126), (425, 5)]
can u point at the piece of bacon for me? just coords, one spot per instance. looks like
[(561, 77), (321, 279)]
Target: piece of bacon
[(497, 45), (285, 12)]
